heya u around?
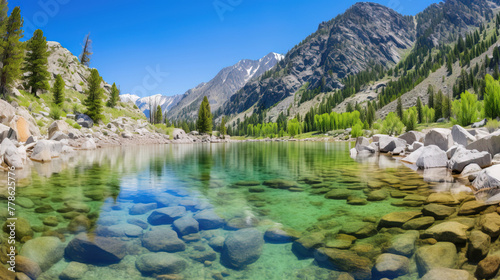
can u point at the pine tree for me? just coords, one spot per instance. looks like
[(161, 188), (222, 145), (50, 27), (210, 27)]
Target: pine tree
[(430, 92), (58, 90), (419, 110), (86, 51), (204, 124), (400, 108), (158, 115), (223, 128), (438, 105), (3, 21), (449, 66), (13, 51), (94, 96), (37, 63), (114, 96)]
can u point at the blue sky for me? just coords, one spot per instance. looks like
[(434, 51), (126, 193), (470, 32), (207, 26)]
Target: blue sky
[(167, 47)]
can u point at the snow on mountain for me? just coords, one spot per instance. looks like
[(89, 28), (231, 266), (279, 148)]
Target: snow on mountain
[(144, 103), (129, 98)]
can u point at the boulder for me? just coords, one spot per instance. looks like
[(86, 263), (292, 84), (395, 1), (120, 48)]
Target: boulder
[(472, 207), (490, 224), (448, 231), (7, 112), (142, 208), (28, 267), (463, 157), (45, 251), (438, 211), (480, 123), (439, 255), (208, 219), (363, 144), (404, 244), (440, 137), (88, 144), (186, 225), (163, 239), (93, 249), (412, 137), (21, 127), (166, 215), (23, 228), (487, 179), (348, 261), (389, 143), (479, 246), (391, 266), (58, 126), (488, 267), (451, 152), (11, 155), (471, 170), (45, 150), (414, 156), (447, 273), (84, 121), (160, 263), (6, 274), (242, 247), (490, 144), (278, 234), (74, 271), (432, 157), (419, 223), (397, 219), (461, 136)]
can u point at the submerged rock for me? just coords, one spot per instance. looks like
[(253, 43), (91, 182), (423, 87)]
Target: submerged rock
[(163, 239), (45, 251), (348, 261), (479, 246), (438, 211), (397, 219), (404, 244), (208, 219), (306, 245), (242, 247), (278, 234), (166, 215), (74, 271), (448, 231), (488, 268), (439, 255), (142, 208), (160, 263), (447, 273), (186, 225), (391, 266), (92, 249)]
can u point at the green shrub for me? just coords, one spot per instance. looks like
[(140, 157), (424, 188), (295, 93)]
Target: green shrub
[(466, 109), (392, 125), (40, 123), (410, 118), (492, 125), (357, 130), (77, 126), (55, 112)]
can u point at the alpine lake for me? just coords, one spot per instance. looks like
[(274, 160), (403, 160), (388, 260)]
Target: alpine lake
[(266, 210)]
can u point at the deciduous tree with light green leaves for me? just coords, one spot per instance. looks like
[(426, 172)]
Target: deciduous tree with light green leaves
[(492, 98), (58, 90), (293, 127), (204, 123), (466, 109), (13, 51), (94, 96), (36, 64), (392, 125), (410, 118)]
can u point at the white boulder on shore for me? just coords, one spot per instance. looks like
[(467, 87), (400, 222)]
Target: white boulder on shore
[(432, 157), (440, 137), (463, 157)]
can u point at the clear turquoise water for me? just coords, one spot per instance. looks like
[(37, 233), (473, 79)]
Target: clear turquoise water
[(112, 180)]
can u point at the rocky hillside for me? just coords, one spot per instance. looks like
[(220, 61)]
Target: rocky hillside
[(224, 85), (364, 35), (63, 62)]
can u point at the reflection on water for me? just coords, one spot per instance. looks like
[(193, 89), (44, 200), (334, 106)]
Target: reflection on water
[(113, 207)]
